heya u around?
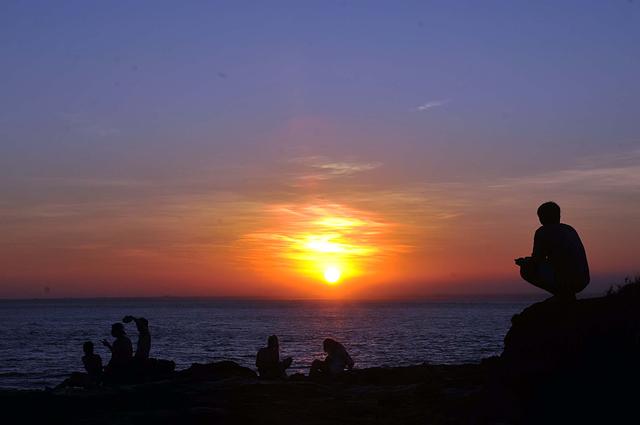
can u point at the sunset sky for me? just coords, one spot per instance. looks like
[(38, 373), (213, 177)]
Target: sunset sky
[(263, 149)]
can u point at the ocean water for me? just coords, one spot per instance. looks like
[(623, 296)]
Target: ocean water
[(41, 340)]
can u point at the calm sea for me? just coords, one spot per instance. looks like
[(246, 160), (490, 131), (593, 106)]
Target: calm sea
[(41, 340)]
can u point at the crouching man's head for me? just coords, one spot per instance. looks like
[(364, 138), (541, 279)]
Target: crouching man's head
[(549, 213)]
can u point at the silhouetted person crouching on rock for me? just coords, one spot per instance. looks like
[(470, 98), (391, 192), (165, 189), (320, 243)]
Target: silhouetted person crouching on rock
[(268, 360), (121, 354), (558, 263), (144, 337), (335, 363)]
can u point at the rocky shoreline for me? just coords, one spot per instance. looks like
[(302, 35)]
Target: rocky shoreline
[(225, 392), (562, 363)]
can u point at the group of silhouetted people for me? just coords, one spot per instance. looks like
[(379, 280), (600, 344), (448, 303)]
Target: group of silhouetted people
[(271, 367), (124, 365), (124, 362), (558, 264), (127, 366)]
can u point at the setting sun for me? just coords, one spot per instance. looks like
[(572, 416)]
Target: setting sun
[(325, 242), (332, 274)]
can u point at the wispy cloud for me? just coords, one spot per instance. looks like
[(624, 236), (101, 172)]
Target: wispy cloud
[(347, 168), (608, 173), (322, 168), (88, 126), (431, 104)]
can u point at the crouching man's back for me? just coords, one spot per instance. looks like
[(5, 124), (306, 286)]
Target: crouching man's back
[(560, 244), (558, 263)]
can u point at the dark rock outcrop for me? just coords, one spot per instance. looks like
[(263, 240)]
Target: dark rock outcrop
[(574, 361), (553, 336), (215, 371)]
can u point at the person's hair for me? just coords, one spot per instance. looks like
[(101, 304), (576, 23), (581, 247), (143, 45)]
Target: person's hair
[(118, 328), (87, 347), (549, 213), (328, 345), (142, 324), (272, 341)]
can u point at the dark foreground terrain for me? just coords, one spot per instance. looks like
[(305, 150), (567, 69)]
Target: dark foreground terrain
[(571, 362), (404, 395)]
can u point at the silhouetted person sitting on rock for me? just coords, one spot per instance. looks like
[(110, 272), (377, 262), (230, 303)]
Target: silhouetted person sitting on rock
[(558, 263), (144, 337), (143, 368), (92, 364), (268, 360), (335, 363), (121, 353)]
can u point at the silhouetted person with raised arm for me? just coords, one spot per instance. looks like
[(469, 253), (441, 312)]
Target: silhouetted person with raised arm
[(337, 360), (144, 337), (121, 353), (558, 263), (268, 360)]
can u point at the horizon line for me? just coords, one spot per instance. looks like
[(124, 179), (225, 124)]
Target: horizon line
[(417, 299)]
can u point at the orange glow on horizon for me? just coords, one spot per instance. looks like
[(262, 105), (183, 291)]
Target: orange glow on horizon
[(328, 243)]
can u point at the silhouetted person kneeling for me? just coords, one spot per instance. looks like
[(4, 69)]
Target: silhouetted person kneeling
[(335, 363), (558, 263), (144, 337), (268, 360), (121, 354)]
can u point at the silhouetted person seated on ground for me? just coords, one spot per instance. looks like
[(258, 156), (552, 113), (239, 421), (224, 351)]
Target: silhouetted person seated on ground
[(144, 337), (144, 368), (335, 363), (93, 366), (121, 354), (558, 263), (268, 360), (92, 362)]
